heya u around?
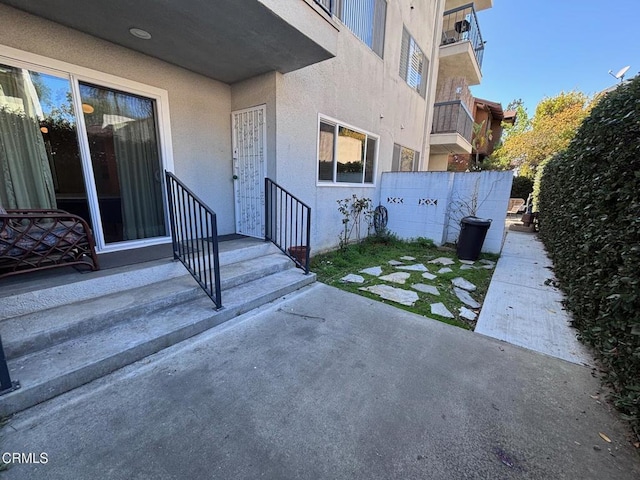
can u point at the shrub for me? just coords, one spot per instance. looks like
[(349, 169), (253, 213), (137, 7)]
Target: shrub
[(536, 184), (521, 187), (590, 223)]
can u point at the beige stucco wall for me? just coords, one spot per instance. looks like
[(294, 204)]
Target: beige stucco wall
[(362, 90), (200, 107), (357, 88)]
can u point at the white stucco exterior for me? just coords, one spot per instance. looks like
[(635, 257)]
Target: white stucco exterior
[(356, 87)]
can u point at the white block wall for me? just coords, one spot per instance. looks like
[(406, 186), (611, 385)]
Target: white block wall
[(431, 204)]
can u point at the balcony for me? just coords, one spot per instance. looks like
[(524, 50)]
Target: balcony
[(462, 47), (226, 40), (452, 128), (478, 4)]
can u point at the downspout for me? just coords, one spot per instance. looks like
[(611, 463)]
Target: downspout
[(433, 82)]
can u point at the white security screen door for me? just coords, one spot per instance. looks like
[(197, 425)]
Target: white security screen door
[(249, 169)]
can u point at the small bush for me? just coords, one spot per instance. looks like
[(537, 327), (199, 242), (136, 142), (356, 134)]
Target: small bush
[(590, 223), (521, 187)]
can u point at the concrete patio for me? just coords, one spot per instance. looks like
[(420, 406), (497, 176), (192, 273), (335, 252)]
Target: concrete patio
[(327, 384)]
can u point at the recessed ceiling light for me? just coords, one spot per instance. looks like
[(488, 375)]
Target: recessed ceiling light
[(139, 33)]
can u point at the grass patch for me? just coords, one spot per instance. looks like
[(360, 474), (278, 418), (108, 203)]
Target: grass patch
[(331, 267)]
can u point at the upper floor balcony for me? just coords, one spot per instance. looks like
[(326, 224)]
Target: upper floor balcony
[(478, 4), (462, 47), (452, 128), (226, 40)]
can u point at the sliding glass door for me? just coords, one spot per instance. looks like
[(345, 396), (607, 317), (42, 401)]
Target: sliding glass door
[(83, 148)]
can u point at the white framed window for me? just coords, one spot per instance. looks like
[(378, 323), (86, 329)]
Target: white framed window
[(346, 155), (404, 159), (413, 64), (101, 143)]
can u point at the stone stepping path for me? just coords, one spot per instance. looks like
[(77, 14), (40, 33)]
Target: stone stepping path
[(374, 271), (398, 295), (396, 277), (352, 278), (408, 297), (430, 289), (440, 309), (418, 267), (465, 298), (464, 284)]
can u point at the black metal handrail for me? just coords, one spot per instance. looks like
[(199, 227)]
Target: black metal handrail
[(452, 117), (194, 232), (287, 223), (6, 384), (460, 25)]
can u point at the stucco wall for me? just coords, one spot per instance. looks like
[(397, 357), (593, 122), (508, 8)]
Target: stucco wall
[(362, 90), (431, 204), (199, 107)]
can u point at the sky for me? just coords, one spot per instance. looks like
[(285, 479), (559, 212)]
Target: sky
[(539, 48)]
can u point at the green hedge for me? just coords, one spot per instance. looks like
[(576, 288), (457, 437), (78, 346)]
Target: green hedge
[(590, 223)]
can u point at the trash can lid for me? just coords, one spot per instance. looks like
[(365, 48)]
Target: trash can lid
[(483, 222)]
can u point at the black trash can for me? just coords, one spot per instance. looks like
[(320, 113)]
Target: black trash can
[(473, 231)]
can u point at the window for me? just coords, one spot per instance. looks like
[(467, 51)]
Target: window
[(413, 64), (83, 147), (404, 159), (345, 155), (366, 19)]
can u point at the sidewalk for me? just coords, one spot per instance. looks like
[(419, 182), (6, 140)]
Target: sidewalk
[(522, 307)]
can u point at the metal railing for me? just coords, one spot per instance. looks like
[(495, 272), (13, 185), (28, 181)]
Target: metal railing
[(194, 232), (327, 5), (287, 223), (461, 25), (452, 117), (6, 385)]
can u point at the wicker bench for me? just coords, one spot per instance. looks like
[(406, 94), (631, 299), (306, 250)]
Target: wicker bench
[(40, 239)]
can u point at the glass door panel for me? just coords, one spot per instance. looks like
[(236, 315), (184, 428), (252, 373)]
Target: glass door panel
[(40, 163), (121, 132)]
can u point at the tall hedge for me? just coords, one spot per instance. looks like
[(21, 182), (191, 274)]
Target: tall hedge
[(590, 223)]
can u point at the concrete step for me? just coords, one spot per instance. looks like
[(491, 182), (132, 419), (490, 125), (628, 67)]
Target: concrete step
[(49, 372), (35, 331), (104, 282)]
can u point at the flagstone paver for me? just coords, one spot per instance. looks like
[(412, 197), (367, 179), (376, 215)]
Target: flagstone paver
[(421, 287), (429, 276), (467, 262), (396, 277), (408, 258), (440, 309), (468, 314), (394, 263), (418, 267), (467, 267), (352, 278), (488, 262), (399, 295), (465, 298), (375, 271), (443, 261), (445, 270), (464, 284)]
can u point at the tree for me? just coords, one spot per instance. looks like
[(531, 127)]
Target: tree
[(528, 142)]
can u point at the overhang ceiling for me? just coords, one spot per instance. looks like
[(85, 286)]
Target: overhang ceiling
[(228, 40)]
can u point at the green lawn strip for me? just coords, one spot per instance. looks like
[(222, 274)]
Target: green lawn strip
[(331, 267)]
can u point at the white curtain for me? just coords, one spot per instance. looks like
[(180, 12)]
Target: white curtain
[(25, 173)]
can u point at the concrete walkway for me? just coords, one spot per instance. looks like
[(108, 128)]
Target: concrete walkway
[(330, 385), (522, 307)]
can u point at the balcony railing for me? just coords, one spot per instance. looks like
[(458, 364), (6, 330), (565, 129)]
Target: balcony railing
[(461, 25), (327, 5), (452, 117)]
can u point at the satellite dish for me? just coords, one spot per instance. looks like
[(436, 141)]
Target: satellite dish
[(620, 74)]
